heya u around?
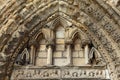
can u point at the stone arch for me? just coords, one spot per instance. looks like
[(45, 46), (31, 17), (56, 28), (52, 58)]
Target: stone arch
[(77, 50), (60, 20), (88, 29), (95, 56), (82, 35), (80, 24), (48, 37)]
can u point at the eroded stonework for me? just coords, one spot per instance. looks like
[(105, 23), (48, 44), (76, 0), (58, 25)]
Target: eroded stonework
[(58, 73), (70, 33), (62, 45)]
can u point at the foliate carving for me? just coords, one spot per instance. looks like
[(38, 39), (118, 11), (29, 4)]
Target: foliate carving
[(100, 61), (116, 36), (117, 61), (90, 9), (88, 22), (98, 15), (99, 34), (109, 47), (93, 11), (109, 28), (33, 21), (36, 74), (46, 73), (50, 43), (94, 28), (24, 12)]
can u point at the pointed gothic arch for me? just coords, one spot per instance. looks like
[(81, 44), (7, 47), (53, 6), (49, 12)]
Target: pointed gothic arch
[(95, 31)]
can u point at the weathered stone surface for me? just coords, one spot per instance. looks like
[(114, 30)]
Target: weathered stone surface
[(23, 20), (60, 47), (58, 73), (41, 62), (60, 61), (78, 61), (57, 54), (75, 54), (42, 54)]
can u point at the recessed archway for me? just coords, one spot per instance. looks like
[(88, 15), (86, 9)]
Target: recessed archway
[(88, 20)]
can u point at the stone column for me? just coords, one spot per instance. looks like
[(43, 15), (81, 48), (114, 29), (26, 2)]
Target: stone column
[(32, 51), (69, 54), (85, 45), (49, 55), (86, 51), (32, 55)]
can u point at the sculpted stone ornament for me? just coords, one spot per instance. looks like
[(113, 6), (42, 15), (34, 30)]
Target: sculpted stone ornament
[(95, 57), (23, 58), (100, 21), (3, 59), (59, 73)]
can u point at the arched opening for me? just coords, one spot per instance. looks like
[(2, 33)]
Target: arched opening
[(78, 56), (68, 49), (41, 51), (59, 46)]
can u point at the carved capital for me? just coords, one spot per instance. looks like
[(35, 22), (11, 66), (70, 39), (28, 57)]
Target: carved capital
[(50, 43), (33, 42), (85, 42), (69, 41)]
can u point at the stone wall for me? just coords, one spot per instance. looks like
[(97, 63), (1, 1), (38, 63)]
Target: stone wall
[(21, 19)]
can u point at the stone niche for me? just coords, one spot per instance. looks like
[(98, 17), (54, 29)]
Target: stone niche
[(60, 53)]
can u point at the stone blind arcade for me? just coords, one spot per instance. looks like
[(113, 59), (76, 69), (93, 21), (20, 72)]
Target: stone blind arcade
[(59, 50), (59, 44)]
